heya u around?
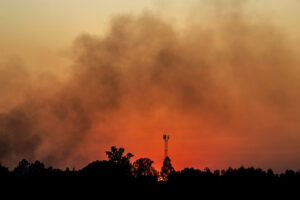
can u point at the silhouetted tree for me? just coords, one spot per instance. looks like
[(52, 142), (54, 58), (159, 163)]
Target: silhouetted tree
[(116, 156), (22, 168), (37, 167), (167, 168), (120, 165), (143, 167)]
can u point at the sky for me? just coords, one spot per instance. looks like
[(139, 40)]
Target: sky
[(220, 77)]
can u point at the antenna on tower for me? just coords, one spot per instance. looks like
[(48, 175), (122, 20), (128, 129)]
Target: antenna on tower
[(166, 139)]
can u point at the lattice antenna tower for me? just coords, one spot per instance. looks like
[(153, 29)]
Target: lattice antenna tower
[(166, 139)]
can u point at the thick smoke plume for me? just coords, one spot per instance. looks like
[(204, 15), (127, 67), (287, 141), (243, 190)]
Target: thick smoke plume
[(226, 91)]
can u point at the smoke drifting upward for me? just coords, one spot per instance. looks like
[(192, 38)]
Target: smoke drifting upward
[(226, 92)]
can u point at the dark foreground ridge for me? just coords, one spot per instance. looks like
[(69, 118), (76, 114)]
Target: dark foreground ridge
[(140, 176)]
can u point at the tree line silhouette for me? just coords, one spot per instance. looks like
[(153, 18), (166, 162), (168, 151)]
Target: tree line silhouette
[(118, 171)]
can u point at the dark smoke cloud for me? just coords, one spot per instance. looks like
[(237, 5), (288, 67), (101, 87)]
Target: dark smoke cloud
[(237, 75), (18, 137)]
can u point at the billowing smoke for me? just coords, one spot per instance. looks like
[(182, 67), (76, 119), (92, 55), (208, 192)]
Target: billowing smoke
[(227, 93)]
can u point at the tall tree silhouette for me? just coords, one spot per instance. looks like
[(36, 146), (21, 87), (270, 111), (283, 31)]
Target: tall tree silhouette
[(143, 167), (116, 156), (119, 164), (167, 168)]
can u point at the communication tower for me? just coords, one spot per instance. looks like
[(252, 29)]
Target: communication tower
[(166, 139)]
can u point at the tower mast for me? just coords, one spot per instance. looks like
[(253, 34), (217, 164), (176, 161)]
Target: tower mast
[(166, 139)]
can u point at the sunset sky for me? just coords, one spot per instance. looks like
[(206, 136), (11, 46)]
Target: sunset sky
[(222, 78)]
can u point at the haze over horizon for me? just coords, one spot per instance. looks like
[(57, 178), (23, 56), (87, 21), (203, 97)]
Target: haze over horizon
[(220, 77)]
